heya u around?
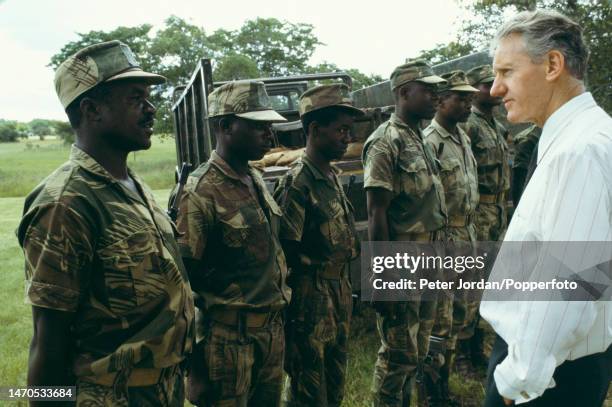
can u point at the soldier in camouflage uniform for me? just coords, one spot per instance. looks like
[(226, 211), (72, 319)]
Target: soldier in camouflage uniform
[(229, 224), (405, 203), (524, 143), (319, 238), (489, 145), (112, 306), (460, 179)]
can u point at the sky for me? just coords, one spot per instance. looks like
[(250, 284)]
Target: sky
[(372, 36)]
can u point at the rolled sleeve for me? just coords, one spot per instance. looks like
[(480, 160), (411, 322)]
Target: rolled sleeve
[(58, 250), (195, 222), (379, 165)]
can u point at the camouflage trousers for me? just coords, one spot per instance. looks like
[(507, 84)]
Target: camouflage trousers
[(317, 338), (404, 334), (455, 311), (230, 368), (490, 222), (168, 392)]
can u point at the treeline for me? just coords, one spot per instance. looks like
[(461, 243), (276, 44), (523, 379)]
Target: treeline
[(12, 130)]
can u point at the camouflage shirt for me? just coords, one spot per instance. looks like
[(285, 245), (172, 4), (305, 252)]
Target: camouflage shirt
[(491, 153), (458, 169), (396, 159), (317, 214), (95, 248), (524, 144), (232, 236)]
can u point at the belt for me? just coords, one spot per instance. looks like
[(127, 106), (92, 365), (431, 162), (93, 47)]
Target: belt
[(418, 237), (492, 199), (251, 319), (459, 221), (137, 378), (332, 271)]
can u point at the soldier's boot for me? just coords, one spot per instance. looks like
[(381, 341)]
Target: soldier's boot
[(477, 355)]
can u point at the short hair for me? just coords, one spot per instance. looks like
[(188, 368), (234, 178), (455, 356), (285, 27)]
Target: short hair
[(100, 93), (545, 30), (323, 116)]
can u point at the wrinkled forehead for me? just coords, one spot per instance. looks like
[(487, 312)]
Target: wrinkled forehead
[(510, 50)]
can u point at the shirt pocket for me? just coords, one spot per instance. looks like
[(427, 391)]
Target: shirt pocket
[(487, 152), (415, 178), (133, 272), (450, 172), (247, 240)]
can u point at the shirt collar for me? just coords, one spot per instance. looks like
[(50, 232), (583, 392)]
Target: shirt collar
[(223, 166), (560, 118), (318, 174), (395, 119)]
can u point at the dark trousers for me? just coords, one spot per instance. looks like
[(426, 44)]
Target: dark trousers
[(579, 383)]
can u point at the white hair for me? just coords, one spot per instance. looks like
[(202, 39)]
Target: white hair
[(545, 30)]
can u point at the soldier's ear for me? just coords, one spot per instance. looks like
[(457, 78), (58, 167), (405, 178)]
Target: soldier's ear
[(90, 110), (313, 129)]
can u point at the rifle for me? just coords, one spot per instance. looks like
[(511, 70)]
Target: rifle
[(182, 180)]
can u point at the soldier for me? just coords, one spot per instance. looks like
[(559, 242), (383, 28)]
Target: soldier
[(231, 250), (319, 238), (111, 302), (405, 201), (488, 138), (460, 179), (525, 144)]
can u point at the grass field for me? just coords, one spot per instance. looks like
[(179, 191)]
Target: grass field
[(25, 164), (21, 168)]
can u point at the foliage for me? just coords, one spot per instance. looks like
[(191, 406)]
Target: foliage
[(235, 66), (9, 131), (595, 17), (64, 131)]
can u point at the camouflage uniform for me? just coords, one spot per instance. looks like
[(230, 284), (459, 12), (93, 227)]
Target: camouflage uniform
[(318, 215), (396, 159), (491, 152), (96, 248), (319, 219), (238, 271), (524, 143)]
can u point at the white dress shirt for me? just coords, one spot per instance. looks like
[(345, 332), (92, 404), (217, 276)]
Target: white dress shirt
[(569, 198)]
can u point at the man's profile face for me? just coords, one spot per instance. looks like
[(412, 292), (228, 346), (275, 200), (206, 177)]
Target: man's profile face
[(484, 97), (333, 140), (456, 106), (128, 116), (251, 139), (519, 82), (420, 99)]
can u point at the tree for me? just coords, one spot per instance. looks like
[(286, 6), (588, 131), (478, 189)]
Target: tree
[(278, 47), (40, 128), (64, 131), (9, 131), (595, 17), (234, 66)]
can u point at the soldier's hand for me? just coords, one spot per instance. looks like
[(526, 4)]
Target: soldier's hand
[(508, 402)]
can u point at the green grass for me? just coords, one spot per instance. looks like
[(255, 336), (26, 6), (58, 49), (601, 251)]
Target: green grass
[(24, 164)]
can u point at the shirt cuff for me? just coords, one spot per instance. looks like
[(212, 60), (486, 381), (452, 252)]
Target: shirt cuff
[(372, 183), (517, 383), (51, 296)]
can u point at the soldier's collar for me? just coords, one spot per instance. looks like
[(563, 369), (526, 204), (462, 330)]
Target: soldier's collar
[(395, 119), (445, 133), (223, 166), (89, 164), (318, 174)]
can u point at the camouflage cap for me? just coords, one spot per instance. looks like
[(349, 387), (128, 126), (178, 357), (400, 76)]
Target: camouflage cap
[(103, 62), (481, 74), (323, 96), (246, 99), (413, 70), (456, 81)]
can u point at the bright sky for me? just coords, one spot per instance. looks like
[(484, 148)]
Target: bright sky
[(372, 36)]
